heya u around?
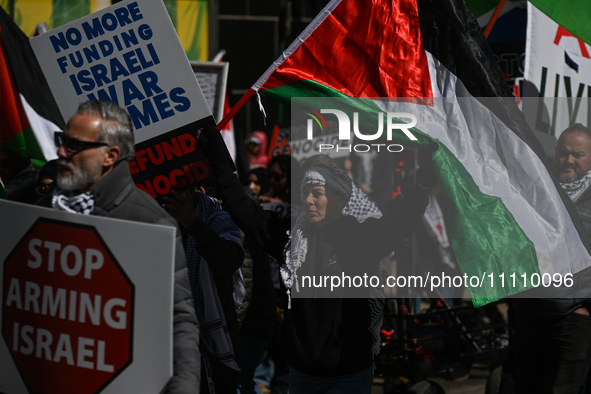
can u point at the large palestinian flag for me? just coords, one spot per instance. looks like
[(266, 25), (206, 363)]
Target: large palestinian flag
[(28, 112), (507, 214)]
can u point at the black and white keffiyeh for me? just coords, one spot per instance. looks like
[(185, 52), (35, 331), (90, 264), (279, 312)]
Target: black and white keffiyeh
[(326, 175), (360, 206), (577, 188), (295, 255), (74, 203)]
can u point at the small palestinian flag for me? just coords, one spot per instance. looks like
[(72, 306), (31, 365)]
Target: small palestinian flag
[(507, 214), (28, 112)]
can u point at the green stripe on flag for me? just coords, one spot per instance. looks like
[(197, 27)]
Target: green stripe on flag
[(485, 236), (573, 15), (305, 88), (480, 7), (488, 241), (25, 144)]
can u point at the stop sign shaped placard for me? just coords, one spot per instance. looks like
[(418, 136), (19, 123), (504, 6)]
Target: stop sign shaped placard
[(67, 309)]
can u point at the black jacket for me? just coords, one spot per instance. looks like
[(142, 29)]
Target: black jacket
[(326, 336), (544, 309)]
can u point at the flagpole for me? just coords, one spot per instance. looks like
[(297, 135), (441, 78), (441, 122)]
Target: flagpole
[(235, 109), (494, 17)]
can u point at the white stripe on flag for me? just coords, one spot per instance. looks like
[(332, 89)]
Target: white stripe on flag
[(504, 166), (43, 130)]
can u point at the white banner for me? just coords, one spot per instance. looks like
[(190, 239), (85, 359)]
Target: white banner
[(557, 64)]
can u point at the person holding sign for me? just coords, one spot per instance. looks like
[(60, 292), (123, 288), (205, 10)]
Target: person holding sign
[(93, 179)]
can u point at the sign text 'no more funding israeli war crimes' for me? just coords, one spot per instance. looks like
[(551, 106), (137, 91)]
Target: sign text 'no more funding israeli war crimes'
[(156, 104)]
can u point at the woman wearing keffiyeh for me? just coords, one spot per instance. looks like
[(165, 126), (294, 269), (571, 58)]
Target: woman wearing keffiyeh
[(326, 337)]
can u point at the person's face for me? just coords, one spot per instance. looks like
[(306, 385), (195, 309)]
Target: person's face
[(321, 204), (573, 156), (82, 169), (278, 179), (253, 184), (253, 148)]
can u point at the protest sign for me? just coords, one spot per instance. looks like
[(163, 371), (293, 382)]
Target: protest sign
[(130, 54), (557, 65), (86, 303), (212, 78), (279, 144)]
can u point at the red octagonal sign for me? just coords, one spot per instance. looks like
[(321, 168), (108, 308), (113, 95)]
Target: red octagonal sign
[(67, 309)]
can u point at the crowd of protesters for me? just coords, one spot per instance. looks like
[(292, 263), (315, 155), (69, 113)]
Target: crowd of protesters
[(243, 321)]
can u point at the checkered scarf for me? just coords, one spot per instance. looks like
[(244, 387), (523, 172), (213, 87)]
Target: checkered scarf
[(74, 203), (577, 188), (214, 334), (360, 206)]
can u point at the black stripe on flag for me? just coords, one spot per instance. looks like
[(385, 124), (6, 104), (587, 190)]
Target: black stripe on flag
[(27, 73), (452, 35)]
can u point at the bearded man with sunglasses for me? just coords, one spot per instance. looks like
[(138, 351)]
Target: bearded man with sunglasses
[(93, 179)]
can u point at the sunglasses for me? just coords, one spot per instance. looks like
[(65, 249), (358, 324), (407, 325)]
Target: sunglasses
[(73, 145)]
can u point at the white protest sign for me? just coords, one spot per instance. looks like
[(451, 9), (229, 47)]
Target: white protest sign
[(212, 78), (557, 65), (86, 303), (128, 53)]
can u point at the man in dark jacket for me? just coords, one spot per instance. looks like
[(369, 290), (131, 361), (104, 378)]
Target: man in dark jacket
[(553, 344), (94, 179)]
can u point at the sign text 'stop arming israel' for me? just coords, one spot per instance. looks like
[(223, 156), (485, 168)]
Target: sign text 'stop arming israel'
[(128, 53), (86, 303)]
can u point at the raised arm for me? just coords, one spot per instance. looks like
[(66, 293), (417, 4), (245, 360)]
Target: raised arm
[(264, 227)]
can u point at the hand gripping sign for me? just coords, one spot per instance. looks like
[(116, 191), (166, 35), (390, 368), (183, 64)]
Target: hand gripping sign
[(130, 54), (75, 305)]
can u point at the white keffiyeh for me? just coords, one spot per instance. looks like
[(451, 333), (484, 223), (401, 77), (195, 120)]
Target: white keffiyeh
[(74, 203), (295, 255), (577, 188)]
